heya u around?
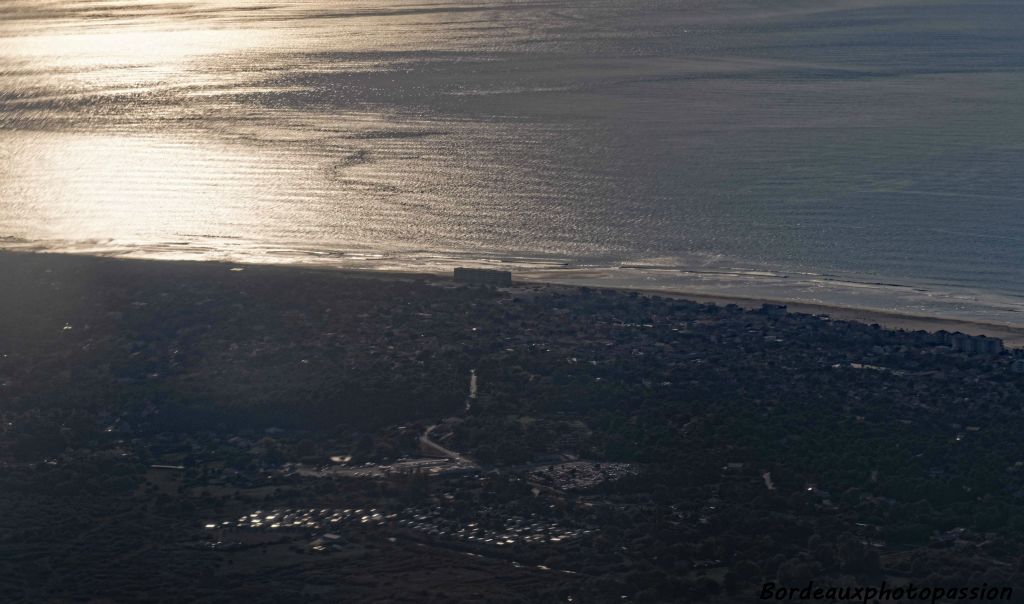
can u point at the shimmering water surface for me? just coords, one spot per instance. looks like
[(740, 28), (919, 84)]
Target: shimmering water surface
[(861, 152)]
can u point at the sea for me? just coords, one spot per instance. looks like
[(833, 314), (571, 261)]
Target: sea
[(861, 153)]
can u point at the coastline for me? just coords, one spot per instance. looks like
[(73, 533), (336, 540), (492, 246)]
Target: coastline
[(1012, 335)]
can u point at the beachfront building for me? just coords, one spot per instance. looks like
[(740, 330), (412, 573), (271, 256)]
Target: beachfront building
[(774, 310), (960, 342), (483, 276)]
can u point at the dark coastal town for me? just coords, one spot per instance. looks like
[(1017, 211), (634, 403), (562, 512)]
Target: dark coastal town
[(219, 433)]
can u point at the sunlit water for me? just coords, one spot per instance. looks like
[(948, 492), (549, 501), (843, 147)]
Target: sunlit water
[(868, 153)]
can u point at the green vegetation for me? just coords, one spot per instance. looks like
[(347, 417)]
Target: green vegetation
[(758, 448)]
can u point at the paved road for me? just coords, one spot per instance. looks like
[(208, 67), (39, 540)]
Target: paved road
[(429, 444)]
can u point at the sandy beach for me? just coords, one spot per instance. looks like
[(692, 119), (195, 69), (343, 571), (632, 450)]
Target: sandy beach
[(1012, 335)]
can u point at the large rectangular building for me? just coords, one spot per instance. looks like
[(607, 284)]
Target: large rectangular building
[(961, 342), (483, 276)]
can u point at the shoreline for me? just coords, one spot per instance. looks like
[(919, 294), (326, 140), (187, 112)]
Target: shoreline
[(1012, 335)]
